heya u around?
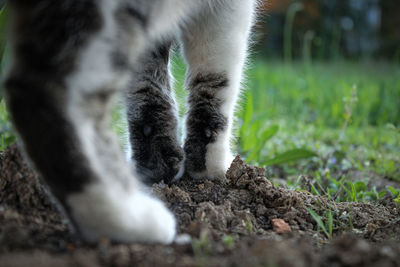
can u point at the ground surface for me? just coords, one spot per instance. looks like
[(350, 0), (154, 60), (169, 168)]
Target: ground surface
[(229, 224)]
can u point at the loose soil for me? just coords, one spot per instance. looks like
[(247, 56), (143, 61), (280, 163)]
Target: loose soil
[(246, 221)]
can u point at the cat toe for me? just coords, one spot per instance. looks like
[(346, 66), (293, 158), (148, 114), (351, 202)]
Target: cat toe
[(164, 164)]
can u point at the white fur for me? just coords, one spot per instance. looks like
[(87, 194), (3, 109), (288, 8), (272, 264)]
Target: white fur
[(217, 42), (113, 206), (94, 74), (94, 71), (123, 215)]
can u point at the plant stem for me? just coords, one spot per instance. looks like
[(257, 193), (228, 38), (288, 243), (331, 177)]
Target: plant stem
[(290, 15)]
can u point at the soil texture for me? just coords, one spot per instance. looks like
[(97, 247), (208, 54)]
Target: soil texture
[(244, 221)]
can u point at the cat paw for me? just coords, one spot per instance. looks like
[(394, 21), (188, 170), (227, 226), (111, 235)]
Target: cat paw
[(110, 212), (217, 160), (163, 162)]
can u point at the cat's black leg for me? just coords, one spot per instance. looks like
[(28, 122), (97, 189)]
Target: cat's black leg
[(152, 118), (215, 44), (45, 52), (59, 91)]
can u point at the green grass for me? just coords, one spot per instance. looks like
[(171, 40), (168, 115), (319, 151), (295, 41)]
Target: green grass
[(325, 121), (316, 95), (326, 227), (7, 135), (346, 113)]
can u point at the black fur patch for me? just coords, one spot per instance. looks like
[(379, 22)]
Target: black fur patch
[(153, 133), (151, 120), (162, 52), (204, 120), (128, 12), (49, 138), (137, 14), (211, 81), (48, 36)]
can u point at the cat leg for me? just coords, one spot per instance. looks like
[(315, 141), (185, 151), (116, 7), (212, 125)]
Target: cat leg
[(215, 45), (59, 92), (152, 118)]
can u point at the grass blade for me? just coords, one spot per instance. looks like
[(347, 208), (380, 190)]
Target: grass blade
[(330, 223), (289, 156), (269, 133), (319, 222)]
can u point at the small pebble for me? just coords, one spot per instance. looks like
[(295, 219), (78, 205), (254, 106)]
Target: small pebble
[(280, 226)]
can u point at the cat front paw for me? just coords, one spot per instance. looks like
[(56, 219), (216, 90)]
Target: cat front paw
[(211, 165), (112, 212), (161, 160)]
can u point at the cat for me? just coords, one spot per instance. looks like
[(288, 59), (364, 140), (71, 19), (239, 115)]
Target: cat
[(71, 58)]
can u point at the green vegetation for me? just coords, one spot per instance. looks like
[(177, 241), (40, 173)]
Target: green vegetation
[(7, 135), (229, 241), (336, 124), (326, 227), (347, 113), (317, 95), (202, 246)]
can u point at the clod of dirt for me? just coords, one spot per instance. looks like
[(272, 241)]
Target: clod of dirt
[(280, 226), (229, 224)]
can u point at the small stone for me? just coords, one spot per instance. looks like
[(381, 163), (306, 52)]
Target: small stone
[(280, 226)]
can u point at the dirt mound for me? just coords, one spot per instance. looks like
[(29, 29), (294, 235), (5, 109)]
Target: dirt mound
[(248, 203), (221, 224)]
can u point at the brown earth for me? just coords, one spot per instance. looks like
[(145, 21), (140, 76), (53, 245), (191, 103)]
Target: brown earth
[(221, 224)]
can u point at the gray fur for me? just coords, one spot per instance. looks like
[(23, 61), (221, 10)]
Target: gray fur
[(204, 120), (152, 119)]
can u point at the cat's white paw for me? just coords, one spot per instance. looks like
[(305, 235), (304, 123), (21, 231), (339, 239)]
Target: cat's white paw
[(112, 212), (218, 160)]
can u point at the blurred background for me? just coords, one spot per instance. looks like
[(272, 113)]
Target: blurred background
[(352, 29)]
